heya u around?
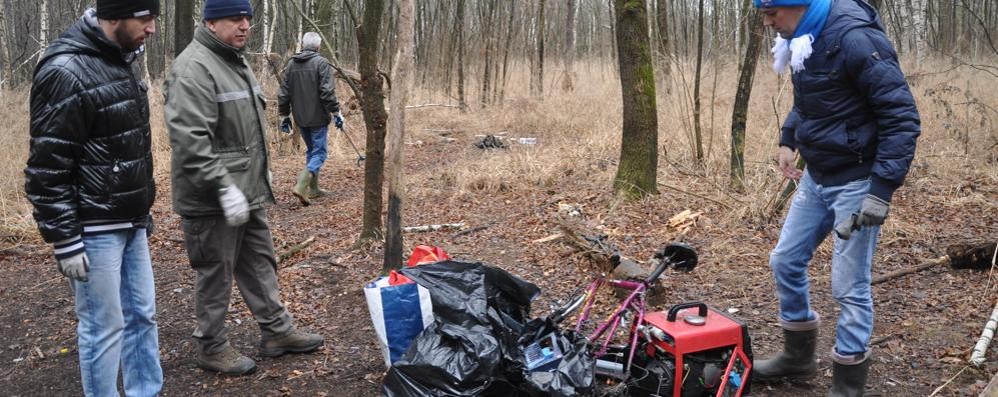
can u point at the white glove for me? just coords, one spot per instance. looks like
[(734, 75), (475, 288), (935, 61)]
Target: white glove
[(75, 267), (234, 205)]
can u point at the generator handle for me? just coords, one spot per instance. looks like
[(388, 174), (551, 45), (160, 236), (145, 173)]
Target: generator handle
[(674, 311)]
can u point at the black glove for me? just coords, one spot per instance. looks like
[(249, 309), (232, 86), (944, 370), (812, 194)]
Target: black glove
[(338, 120), (872, 212), (285, 125)]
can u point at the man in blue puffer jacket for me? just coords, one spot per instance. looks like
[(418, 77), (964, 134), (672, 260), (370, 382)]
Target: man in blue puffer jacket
[(855, 124)]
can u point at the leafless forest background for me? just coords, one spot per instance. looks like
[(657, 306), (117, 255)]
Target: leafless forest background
[(547, 69)]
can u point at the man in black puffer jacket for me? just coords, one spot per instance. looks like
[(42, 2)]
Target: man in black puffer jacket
[(89, 178)]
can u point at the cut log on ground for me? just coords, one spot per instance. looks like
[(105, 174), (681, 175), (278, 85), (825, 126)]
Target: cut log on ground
[(978, 256)]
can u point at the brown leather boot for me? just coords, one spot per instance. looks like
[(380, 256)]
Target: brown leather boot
[(293, 341), (227, 362)]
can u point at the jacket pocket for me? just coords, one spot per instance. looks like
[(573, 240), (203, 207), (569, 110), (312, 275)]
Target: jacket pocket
[(237, 163), (200, 249)]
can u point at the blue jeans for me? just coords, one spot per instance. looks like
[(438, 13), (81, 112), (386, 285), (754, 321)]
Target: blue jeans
[(315, 147), (116, 309), (813, 213)]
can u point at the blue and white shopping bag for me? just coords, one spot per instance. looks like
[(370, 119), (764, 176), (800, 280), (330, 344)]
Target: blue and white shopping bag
[(399, 313)]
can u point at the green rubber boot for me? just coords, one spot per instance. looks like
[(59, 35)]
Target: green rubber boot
[(301, 188), (314, 191)]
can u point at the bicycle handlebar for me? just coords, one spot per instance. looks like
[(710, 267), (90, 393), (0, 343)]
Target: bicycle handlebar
[(662, 265)]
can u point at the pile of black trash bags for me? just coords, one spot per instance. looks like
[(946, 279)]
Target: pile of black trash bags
[(475, 346)]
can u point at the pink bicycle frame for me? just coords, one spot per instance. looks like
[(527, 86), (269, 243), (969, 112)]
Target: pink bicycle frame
[(634, 301)]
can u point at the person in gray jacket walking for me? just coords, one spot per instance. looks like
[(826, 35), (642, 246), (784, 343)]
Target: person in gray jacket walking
[(309, 89), (221, 186)]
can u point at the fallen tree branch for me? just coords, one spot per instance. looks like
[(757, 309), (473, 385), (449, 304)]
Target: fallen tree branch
[(429, 105), (923, 266), (959, 256), (977, 357), (469, 231), (294, 250), (548, 238), (432, 228)]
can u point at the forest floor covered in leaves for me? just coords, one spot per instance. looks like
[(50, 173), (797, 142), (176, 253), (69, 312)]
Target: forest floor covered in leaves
[(926, 322)]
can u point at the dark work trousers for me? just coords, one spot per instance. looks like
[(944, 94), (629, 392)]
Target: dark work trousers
[(218, 252)]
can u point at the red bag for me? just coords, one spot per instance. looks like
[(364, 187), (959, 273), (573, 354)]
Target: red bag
[(420, 254)]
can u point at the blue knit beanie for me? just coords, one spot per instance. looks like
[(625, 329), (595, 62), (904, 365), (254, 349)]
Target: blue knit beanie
[(781, 3), (218, 9)]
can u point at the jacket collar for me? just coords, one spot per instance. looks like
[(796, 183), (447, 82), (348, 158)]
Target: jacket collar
[(208, 39)]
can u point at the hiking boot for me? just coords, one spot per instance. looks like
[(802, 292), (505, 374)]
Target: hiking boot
[(301, 188), (314, 191), (293, 341), (227, 362), (848, 377), (797, 360)]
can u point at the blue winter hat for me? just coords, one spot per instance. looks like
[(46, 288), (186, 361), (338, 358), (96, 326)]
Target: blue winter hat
[(218, 9), (781, 3)]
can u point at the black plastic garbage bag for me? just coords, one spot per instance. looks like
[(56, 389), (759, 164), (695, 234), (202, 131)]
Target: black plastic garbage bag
[(475, 346), (479, 311), (574, 373)]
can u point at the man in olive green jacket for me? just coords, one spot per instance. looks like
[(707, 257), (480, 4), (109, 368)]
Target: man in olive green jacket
[(221, 185)]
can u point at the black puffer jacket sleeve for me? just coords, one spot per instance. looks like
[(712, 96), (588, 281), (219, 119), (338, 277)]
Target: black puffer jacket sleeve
[(59, 124)]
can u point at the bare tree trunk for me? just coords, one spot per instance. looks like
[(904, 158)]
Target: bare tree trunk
[(636, 174), (401, 75), (662, 9), (183, 25), (5, 61), (697, 129), (487, 11), (567, 83), (740, 113), (510, 36), (269, 19), (537, 77), (373, 105), (462, 102)]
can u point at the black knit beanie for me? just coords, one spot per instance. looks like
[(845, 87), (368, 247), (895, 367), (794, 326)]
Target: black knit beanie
[(124, 9)]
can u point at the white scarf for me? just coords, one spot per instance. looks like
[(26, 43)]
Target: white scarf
[(793, 52)]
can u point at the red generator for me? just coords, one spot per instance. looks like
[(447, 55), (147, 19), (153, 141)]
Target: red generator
[(693, 351)]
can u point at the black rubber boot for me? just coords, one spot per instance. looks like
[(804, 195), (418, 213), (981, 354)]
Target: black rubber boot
[(849, 380), (797, 360)]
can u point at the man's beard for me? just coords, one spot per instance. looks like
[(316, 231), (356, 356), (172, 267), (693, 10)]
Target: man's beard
[(124, 40)]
